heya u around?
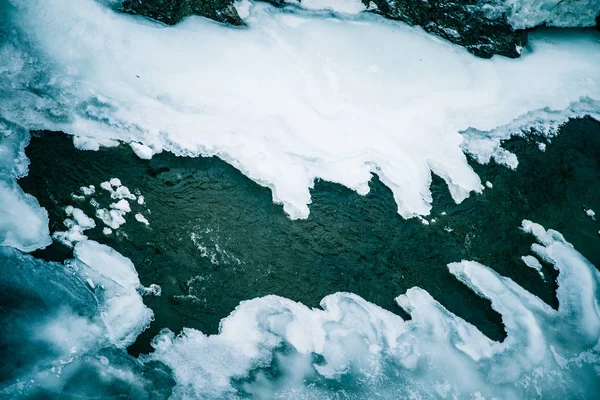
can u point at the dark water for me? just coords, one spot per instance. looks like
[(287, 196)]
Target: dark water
[(349, 243)]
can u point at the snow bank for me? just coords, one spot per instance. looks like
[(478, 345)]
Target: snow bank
[(287, 100)]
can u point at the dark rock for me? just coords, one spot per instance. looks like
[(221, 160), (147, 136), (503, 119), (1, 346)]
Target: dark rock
[(459, 21), (172, 11)]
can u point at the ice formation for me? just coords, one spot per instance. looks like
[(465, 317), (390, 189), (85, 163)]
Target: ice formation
[(272, 346), (76, 225), (396, 103), (548, 353), (312, 107)]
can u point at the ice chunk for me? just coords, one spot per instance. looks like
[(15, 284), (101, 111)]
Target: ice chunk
[(112, 218), (590, 213), (88, 190), (77, 226), (122, 309), (140, 218), (23, 223), (533, 262), (116, 182), (142, 151), (338, 6), (122, 205)]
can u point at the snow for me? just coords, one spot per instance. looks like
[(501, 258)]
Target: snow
[(314, 107), (489, 185)]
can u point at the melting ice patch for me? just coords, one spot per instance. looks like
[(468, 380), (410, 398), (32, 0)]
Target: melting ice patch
[(288, 99)]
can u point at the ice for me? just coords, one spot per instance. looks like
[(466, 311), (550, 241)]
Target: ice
[(274, 347), (116, 182), (88, 190), (23, 223), (142, 151), (122, 205), (76, 226), (533, 262), (338, 6), (140, 218), (521, 14), (489, 184), (117, 190), (112, 218), (547, 353), (122, 309), (590, 213), (564, 13), (69, 325), (314, 106)]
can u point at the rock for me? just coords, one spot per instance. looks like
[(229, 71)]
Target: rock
[(483, 27), (172, 11), (460, 21)]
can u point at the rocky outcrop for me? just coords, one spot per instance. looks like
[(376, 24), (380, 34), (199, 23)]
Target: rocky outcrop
[(172, 11), (459, 21), (483, 27)]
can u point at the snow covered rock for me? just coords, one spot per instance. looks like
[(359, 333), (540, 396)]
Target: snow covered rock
[(172, 11), (483, 27)]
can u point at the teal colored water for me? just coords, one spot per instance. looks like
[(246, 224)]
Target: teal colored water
[(215, 237)]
